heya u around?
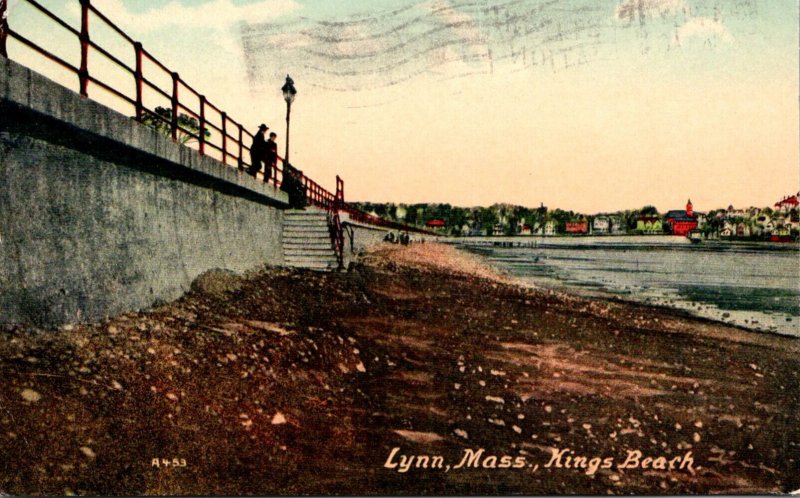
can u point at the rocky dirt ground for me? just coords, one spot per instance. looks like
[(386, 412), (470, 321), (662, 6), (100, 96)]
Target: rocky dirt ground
[(376, 381)]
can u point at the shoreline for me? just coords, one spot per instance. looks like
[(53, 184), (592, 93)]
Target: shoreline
[(664, 296), (294, 382)]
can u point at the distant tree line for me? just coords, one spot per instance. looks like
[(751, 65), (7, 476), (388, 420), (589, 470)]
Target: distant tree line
[(484, 219)]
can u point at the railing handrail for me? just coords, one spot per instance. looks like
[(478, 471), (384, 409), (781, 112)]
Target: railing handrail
[(316, 194)]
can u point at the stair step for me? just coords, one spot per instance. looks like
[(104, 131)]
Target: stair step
[(305, 239), (328, 253), (321, 256), (307, 242), (305, 223), (320, 229), (315, 268)]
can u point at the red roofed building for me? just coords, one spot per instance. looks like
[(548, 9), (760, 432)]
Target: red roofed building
[(581, 226), (435, 223), (787, 203), (682, 222)]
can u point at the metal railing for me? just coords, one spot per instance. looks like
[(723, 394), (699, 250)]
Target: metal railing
[(232, 133), (232, 148)]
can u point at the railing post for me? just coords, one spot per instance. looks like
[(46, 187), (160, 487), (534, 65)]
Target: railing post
[(241, 147), (202, 138), (339, 192), (83, 74), (174, 122), (3, 27), (138, 77), (224, 138)]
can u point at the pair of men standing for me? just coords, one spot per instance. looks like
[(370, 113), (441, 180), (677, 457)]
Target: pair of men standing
[(265, 151)]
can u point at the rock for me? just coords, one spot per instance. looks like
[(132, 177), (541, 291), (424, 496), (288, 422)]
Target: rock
[(30, 395), (216, 282), (278, 419), (172, 396), (88, 452), (495, 399), (461, 433), (419, 437), (360, 367)]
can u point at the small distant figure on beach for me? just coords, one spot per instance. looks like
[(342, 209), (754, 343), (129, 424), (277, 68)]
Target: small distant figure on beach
[(389, 238), (257, 150), (270, 156), (405, 239)]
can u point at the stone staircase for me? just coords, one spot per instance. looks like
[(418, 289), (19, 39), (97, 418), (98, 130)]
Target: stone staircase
[(307, 240)]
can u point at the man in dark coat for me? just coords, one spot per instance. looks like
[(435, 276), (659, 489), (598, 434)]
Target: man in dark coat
[(270, 156), (257, 150)]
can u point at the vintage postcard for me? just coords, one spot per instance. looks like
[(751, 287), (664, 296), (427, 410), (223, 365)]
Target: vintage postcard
[(399, 247)]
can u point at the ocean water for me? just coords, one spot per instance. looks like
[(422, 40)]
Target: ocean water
[(752, 285)]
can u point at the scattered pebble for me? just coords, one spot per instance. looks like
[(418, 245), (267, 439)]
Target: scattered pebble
[(30, 395)]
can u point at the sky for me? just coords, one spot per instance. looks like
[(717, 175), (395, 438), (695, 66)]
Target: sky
[(589, 105)]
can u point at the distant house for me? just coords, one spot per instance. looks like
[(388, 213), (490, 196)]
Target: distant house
[(726, 233), (577, 227), (601, 224), (436, 223), (526, 230), (649, 224), (742, 230), (615, 224), (498, 229), (550, 228), (788, 203), (682, 222)]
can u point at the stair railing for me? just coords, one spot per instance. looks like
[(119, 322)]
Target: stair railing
[(335, 222)]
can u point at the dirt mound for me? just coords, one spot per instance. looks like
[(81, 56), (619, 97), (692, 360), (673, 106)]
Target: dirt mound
[(217, 282)]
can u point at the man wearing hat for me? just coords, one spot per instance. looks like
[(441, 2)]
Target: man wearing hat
[(257, 150)]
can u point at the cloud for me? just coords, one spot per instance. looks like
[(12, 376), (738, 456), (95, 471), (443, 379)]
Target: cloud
[(705, 29)]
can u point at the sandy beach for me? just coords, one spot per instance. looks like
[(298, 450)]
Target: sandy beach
[(420, 371)]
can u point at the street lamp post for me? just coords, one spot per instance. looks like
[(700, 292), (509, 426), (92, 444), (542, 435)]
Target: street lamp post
[(288, 95)]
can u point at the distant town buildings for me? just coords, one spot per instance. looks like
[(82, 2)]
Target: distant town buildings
[(601, 224), (788, 203), (682, 222), (436, 223), (779, 222), (649, 225), (577, 227)]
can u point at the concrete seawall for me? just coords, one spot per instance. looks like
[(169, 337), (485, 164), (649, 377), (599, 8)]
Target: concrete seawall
[(99, 214)]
